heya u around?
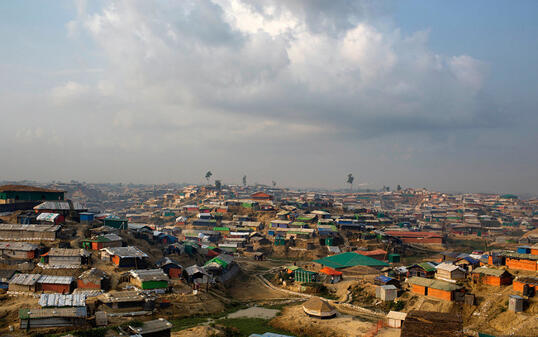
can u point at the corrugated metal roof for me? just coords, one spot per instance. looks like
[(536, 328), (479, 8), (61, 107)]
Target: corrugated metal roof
[(61, 205), (489, 271), (76, 312), (51, 279), (130, 251), (24, 246), (60, 300), (25, 279), (149, 274), (29, 228), (435, 284)]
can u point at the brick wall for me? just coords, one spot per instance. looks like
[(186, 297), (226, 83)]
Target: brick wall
[(418, 289), (521, 264), (440, 294)]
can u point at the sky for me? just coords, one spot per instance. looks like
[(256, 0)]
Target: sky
[(434, 94)]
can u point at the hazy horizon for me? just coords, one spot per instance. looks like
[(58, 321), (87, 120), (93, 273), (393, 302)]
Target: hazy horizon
[(432, 94)]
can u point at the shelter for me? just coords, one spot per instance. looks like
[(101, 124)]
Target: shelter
[(116, 222), (335, 275), (52, 317), (449, 272), (491, 276), (146, 279), (433, 288), (18, 250), (520, 283), (516, 303), (103, 241), (386, 292), (170, 267), (126, 257), (125, 300), (395, 319), (24, 283), (93, 279), (18, 232), (58, 284), (383, 280), (423, 269), (518, 261), (318, 308), (65, 257), (432, 324), (5, 276)]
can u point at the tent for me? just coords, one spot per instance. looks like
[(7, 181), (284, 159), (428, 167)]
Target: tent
[(316, 307)]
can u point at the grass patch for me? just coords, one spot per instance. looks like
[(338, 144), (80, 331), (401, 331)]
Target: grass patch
[(248, 326), (466, 244), (188, 322)]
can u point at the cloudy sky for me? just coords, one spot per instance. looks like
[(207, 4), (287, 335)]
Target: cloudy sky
[(436, 94)]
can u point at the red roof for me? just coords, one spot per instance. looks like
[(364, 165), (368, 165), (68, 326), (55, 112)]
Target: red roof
[(261, 195), (330, 271), (371, 252), (405, 234)]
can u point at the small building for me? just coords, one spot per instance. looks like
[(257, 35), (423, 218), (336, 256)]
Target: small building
[(147, 279), (65, 257), (433, 288), (62, 207), (103, 241), (423, 269), (116, 223), (18, 232), (334, 275), (24, 283), (491, 276), (52, 317), (305, 276), (86, 217), (383, 280), (124, 301), (18, 250), (518, 261), (57, 284), (523, 250), (516, 303), (93, 279), (449, 272), (125, 257), (170, 267), (395, 319), (156, 328), (521, 282), (386, 292), (5, 276)]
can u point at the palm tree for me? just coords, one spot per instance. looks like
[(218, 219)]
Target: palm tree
[(208, 176), (350, 180), (274, 183), (245, 180), (218, 184)]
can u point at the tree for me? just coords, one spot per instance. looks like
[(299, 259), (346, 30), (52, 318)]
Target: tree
[(399, 188), (208, 176), (274, 183), (350, 181), (218, 184), (244, 180)]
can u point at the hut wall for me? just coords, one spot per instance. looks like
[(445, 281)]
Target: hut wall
[(418, 289), (88, 285), (522, 264), (57, 288), (440, 294)]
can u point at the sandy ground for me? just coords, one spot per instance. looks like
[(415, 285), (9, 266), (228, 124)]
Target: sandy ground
[(255, 312), (199, 331), (294, 319)]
